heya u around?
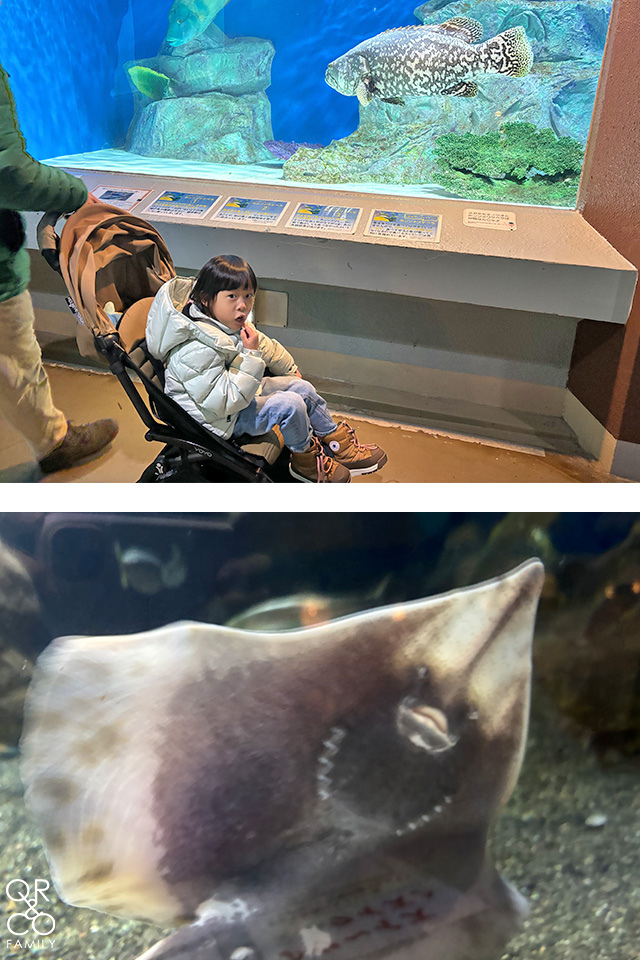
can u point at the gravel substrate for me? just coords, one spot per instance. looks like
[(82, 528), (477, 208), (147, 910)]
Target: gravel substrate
[(569, 840)]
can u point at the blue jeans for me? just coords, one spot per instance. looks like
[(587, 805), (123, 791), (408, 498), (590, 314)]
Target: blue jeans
[(293, 405)]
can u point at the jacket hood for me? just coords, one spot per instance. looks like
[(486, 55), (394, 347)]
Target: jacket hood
[(168, 327)]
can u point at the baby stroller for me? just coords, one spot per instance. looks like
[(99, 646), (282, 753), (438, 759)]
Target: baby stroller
[(108, 257)]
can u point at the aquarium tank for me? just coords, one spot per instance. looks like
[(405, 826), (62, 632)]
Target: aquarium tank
[(473, 99)]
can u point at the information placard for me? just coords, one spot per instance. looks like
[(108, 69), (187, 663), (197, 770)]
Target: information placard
[(246, 210), (325, 218), (492, 219), (397, 225), (173, 203), (124, 197)]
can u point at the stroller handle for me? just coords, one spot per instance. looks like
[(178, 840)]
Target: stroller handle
[(48, 240)]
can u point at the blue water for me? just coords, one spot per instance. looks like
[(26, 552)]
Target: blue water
[(65, 60), (75, 102)]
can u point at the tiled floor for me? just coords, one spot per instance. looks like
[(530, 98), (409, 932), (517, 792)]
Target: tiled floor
[(415, 455)]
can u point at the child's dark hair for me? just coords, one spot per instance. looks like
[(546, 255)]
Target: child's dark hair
[(225, 272)]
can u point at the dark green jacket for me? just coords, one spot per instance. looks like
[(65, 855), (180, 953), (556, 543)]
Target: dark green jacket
[(25, 184)]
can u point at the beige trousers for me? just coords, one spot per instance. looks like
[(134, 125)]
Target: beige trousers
[(25, 394)]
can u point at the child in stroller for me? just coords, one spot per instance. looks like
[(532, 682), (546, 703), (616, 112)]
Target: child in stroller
[(215, 365)]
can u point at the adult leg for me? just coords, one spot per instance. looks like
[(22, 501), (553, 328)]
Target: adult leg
[(25, 394)]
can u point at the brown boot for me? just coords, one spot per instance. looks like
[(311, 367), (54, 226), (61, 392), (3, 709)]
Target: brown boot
[(312, 466), (356, 457), (82, 441)]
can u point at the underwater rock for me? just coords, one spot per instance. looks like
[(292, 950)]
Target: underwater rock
[(571, 107), (15, 674), (332, 787), (587, 649), (401, 155), (20, 628), (557, 29), (238, 66), (471, 552), (524, 165), (283, 149), (213, 127), (204, 100)]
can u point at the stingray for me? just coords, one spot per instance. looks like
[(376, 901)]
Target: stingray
[(327, 791)]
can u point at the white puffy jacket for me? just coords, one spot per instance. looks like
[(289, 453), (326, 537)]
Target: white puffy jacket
[(208, 370)]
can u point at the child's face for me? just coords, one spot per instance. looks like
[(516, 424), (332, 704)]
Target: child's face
[(232, 307)]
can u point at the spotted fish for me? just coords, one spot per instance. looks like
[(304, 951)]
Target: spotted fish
[(286, 795), (424, 60)]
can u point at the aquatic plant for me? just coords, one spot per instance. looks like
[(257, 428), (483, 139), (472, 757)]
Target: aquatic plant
[(541, 167)]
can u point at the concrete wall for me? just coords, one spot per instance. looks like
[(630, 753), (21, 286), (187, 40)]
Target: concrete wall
[(459, 367), (460, 338)]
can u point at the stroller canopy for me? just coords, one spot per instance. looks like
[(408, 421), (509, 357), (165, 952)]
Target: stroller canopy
[(110, 256)]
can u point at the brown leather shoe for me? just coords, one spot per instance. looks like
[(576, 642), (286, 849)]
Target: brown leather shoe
[(313, 466), (82, 441), (357, 457)]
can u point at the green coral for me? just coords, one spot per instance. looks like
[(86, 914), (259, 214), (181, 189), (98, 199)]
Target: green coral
[(518, 162)]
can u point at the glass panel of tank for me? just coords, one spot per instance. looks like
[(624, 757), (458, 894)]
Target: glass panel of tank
[(473, 99)]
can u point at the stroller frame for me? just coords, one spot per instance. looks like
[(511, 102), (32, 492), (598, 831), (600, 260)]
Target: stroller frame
[(189, 448)]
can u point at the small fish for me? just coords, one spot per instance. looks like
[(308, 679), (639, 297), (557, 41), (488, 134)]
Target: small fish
[(556, 120), (143, 571), (154, 85), (189, 18), (423, 60), (304, 609), (290, 793), (518, 106)]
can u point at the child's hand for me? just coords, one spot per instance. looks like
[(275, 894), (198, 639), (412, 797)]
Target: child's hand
[(250, 337)]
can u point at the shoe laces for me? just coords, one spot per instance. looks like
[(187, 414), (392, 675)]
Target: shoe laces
[(354, 440), (324, 463)]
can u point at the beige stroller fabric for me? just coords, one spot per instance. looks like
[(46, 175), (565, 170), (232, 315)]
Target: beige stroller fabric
[(109, 255)]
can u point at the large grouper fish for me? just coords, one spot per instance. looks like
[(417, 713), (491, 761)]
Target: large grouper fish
[(424, 60), (324, 791)]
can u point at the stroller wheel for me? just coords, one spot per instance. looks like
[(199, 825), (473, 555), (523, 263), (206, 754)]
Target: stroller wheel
[(173, 470)]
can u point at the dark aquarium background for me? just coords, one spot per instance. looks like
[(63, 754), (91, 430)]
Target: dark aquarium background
[(569, 838), (100, 79)]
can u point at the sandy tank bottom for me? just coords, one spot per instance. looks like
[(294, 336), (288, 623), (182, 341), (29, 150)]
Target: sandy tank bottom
[(582, 880)]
